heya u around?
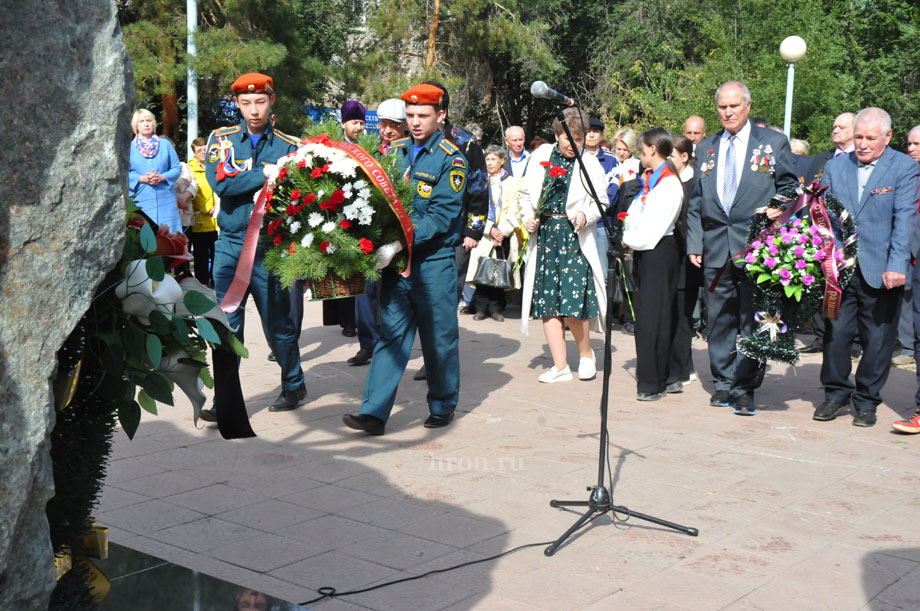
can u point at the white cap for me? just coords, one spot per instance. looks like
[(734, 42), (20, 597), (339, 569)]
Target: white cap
[(393, 109)]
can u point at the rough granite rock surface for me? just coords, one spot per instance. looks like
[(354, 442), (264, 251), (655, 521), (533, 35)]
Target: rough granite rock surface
[(64, 111)]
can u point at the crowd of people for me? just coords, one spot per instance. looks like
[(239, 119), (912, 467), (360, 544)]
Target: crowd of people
[(655, 217)]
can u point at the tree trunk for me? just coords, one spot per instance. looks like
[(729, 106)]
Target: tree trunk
[(433, 33), (170, 123)]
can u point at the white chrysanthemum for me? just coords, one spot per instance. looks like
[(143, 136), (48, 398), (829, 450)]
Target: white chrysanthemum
[(315, 219), (365, 217), (307, 240), (360, 184), (295, 226), (344, 167), (364, 193), (328, 227), (351, 211), (330, 249), (319, 194)]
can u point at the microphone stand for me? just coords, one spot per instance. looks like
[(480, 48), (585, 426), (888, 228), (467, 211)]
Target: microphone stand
[(601, 501)]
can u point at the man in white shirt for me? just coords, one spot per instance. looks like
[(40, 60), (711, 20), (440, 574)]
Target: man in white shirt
[(694, 130), (517, 155)]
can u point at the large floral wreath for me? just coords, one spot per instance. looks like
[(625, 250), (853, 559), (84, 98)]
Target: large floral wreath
[(799, 263)]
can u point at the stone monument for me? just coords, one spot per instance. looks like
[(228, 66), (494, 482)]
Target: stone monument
[(65, 110)]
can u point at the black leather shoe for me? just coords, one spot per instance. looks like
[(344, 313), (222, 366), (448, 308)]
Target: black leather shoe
[(811, 349), (208, 414), (720, 399), (465, 309), (674, 387), (629, 328), (364, 422), (479, 316), (436, 422), (421, 374), (272, 357), (289, 399), (864, 417), (498, 317), (744, 405), (363, 357), (650, 396), (829, 410), (349, 331)]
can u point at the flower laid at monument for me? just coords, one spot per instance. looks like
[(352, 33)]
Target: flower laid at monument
[(334, 216), (797, 267)]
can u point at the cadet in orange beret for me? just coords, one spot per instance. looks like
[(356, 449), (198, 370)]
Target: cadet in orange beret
[(236, 158), (425, 301)]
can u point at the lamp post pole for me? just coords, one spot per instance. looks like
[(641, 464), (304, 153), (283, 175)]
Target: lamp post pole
[(792, 49), (191, 9)]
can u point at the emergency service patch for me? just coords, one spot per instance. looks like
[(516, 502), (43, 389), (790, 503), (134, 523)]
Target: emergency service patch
[(457, 180), (214, 153), (424, 189), (458, 162)]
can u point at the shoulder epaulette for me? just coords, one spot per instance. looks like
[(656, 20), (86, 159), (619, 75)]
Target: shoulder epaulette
[(289, 139), (226, 131), (448, 147), (399, 143)]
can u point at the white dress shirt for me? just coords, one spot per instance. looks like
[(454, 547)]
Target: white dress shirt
[(741, 147), (647, 222)]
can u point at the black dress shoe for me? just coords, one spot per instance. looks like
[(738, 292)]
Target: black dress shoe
[(629, 328), (744, 405), (864, 417), (720, 399), (498, 317), (829, 410), (349, 331), (364, 422), (674, 387), (208, 414), (272, 357), (436, 422), (289, 399), (650, 396), (479, 316), (466, 310), (421, 374), (363, 357), (811, 349)]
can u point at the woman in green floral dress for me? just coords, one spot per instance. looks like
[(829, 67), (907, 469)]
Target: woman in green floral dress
[(564, 282)]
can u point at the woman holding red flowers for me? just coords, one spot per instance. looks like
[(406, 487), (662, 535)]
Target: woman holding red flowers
[(564, 281), (649, 231)]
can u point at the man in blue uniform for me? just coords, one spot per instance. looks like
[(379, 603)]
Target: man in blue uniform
[(425, 300), (236, 159)]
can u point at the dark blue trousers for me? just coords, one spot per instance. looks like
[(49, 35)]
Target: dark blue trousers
[(272, 302), (871, 315)]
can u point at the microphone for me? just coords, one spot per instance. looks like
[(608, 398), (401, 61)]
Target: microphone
[(539, 89)]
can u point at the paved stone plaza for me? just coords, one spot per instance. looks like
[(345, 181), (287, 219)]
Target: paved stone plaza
[(792, 513)]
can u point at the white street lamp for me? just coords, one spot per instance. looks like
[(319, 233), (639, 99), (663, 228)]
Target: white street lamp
[(792, 49)]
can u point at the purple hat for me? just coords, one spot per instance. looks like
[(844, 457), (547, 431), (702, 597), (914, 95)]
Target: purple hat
[(353, 109)]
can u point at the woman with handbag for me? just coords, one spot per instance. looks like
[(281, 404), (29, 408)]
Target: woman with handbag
[(563, 280), (649, 232), (492, 269)]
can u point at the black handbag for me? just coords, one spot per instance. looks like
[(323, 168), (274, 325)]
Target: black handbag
[(495, 272)]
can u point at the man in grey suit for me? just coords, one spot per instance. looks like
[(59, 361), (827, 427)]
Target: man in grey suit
[(878, 186), (739, 169)]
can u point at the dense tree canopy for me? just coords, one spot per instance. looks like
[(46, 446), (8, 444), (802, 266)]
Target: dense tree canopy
[(631, 62)]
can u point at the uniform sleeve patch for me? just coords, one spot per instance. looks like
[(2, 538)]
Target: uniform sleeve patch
[(424, 189), (458, 162), (457, 180), (425, 176), (214, 153)]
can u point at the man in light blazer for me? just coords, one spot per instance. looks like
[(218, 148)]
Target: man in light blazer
[(878, 186), (739, 169)]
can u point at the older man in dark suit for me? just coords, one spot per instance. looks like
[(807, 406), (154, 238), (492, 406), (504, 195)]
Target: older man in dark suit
[(739, 169), (878, 186)]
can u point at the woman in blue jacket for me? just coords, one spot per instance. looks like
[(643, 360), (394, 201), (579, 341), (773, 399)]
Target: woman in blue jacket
[(153, 172)]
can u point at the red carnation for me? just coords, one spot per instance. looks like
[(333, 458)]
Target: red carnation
[(271, 228), (323, 246), (293, 252), (317, 172), (545, 164), (326, 205), (295, 195), (302, 164), (278, 240), (338, 197), (366, 246), (557, 171), (326, 167), (345, 224), (282, 173), (298, 208), (309, 199), (289, 210), (622, 216)]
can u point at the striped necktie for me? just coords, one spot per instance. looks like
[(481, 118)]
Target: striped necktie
[(730, 188)]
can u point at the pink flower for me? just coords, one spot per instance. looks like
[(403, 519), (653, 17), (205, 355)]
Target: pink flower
[(750, 258), (799, 251), (807, 280), (773, 250), (785, 274), (816, 241), (770, 262), (820, 255), (801, 263), (756, 244), (813, 230), (838, 255), (803, 238)]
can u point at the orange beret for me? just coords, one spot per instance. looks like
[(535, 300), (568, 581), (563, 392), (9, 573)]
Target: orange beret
[(423, 94), (253, 82)]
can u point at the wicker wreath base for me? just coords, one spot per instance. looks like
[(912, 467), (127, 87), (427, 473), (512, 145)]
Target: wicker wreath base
[(333, 287)]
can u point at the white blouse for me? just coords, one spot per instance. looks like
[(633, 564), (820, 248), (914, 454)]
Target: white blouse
[(647, 222)]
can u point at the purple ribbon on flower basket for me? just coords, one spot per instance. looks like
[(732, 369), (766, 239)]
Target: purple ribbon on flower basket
[(769, 323)]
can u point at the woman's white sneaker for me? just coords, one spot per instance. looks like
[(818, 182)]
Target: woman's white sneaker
[(555, 375), (587, 368)]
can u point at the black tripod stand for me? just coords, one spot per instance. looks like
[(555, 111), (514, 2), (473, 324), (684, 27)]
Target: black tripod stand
[(600, 500)]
